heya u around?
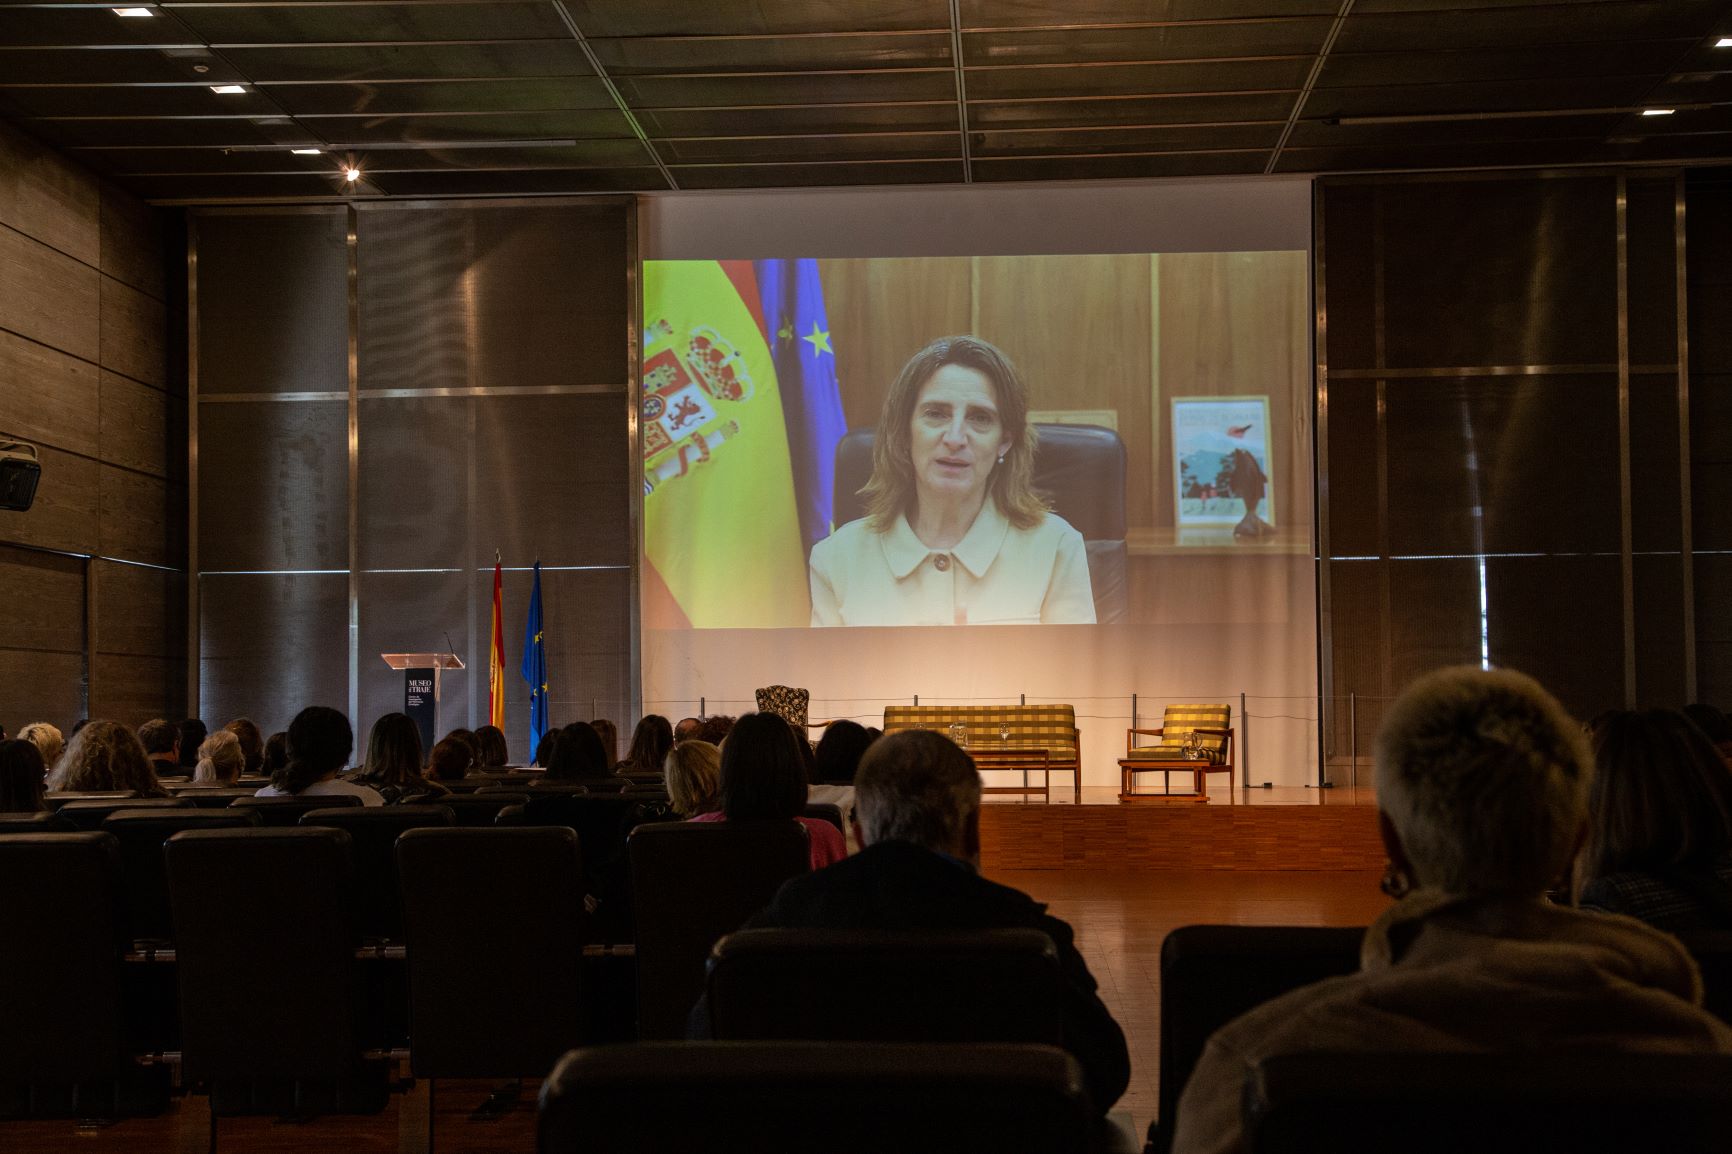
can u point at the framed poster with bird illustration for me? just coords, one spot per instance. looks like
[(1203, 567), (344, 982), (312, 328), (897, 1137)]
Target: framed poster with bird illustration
[(1222, 472)]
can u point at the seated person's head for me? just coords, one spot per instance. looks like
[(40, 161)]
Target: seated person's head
[(1661, 799), (917, 786), (545, 747), (494, 751), (715, 729), (394, 751), (220, 760), (609, 734), (319, 744), (840, 749), (450, 759), (763, 777), (161, 741), (1482, 780), (578, 755), (105, 755), (650, 743), (275, 754), (692, 774), (252, 742), (46, 738), (22, 774), (192, 735), (687, 728)]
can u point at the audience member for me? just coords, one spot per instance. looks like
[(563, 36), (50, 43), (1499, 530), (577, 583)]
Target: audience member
[(46, 738), (715, 729), (650, 743), (161, 741), (450, 760), (393, 762), (687, 729), (840, 750), (544, 748), (495, 754), (578, 755), (692, 773), (192, 735), (22, 773), (1482, 782), (762, 779), (1660, 832), (1715, 724), (609, 734), (276, 754), (220, 760), (105, 755), (919, 812), (468, 738), (252, 744), (319, 744)]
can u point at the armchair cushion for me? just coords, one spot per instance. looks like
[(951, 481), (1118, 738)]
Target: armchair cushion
[(1180, 720)]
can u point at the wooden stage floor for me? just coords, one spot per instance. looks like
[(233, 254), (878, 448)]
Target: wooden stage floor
[(1122, 876)]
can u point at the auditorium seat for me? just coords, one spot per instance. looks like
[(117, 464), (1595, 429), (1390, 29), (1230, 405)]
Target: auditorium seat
[(140, 834), (280, 811), (844, 1098), (1585, 1103), (214, 796), (511, 815), (89, 815), (494, 924), (692, 883), (61, 957), (825, 811), (1212, 974), (599, 819), (478, 809), (48, 821), (373, 833), (966, 986), (268, 983), (54, 799)]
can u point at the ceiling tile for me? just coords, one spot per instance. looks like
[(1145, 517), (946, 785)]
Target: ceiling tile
[(809, 175), (514, 58), (777, 17), (855, 146), (362, 22), (1118, 167), (453, 96), (1137, 79), (787, 88), (1208, 108), (1060, 13), (1225, 40), (660, 55), (936, 115)]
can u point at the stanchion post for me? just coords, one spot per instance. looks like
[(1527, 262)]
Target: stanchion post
[(1244, 744), (1353, 740)]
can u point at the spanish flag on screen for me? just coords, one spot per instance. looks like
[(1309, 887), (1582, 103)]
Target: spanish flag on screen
[(722, 540)]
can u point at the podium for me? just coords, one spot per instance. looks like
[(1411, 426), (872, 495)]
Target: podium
[(421, 673)]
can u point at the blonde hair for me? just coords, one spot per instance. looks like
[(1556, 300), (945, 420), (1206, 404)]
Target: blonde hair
[(890, 493), (1485, 778), (693, 773), (220, 759), (47, 740), (105, 755)]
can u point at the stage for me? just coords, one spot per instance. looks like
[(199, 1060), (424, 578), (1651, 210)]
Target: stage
[(1236, 830)]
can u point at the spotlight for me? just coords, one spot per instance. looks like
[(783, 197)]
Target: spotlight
[(351, 174)]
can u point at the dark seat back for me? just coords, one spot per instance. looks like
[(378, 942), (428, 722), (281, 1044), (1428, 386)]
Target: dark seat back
[(89, 815), (60, 958), (1585, 1103), (214, 796), (967, 986), (1712, 950), (599, 820), (373, 833), (852, 1098), (825, 811), (479, 809), (494, 925), (693, 882), (1212, 974), (48, 821), (57, 798), (140, 833), (280, 811), (266, 952)]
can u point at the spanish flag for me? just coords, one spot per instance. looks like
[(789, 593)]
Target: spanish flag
[(496, 652), (722, 541)]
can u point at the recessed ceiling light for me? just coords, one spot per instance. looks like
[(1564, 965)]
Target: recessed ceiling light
[(351, 174), (307, 151), (1658, 111), (227, 89), (132, 12), (1723, 42)]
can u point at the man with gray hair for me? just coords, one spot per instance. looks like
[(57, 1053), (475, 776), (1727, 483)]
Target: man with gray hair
[(917, 807)]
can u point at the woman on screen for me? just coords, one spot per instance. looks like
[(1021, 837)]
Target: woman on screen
[(954, 533)]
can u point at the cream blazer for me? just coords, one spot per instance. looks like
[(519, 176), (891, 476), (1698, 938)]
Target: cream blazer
[(996, 575)]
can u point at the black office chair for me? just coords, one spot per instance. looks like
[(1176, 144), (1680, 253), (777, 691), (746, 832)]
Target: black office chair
[(848, 1097), (1079, 468), (1585, 1103)]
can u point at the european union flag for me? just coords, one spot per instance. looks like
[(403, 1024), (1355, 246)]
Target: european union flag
[(535, 666), (799, 334)]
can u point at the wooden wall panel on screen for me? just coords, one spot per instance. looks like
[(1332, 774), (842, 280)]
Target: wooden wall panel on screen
[(47, 397), (140, 611), (132, 243), (64, 515), (881, 312), (45, 196), (41, 601), (132, 689), (42, 687), (1077, 328), (134, 332), (140, 518), (48, 296), (1235, 324)]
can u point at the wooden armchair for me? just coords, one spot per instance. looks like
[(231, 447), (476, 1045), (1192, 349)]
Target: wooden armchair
[(1213, 726)]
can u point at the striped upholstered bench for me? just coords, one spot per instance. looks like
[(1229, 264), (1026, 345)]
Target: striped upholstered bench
[(1030, 738)]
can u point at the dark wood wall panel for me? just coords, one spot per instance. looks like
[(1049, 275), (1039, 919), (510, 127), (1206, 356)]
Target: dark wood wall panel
[(86, 376)]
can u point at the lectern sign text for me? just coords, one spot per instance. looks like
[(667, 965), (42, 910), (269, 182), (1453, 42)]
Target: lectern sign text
[(421, 703)]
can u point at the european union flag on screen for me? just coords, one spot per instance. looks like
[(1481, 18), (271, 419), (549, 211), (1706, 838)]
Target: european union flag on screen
[(535, 666), (799, 337)]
